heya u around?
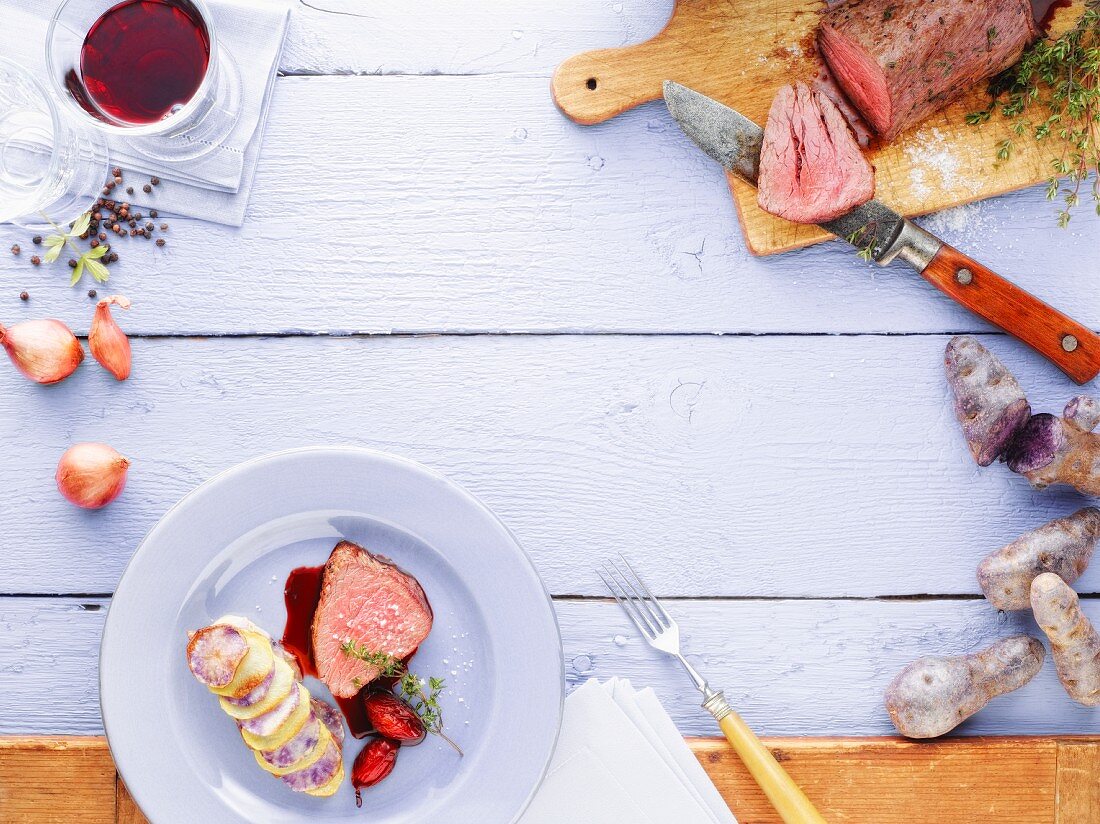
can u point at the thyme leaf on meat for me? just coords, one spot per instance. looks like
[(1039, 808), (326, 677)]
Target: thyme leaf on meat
[(1053, 93), (421, 695), (386, 664)]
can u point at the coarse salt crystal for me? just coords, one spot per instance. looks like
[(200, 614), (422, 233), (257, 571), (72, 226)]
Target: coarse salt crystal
[(932, 155)]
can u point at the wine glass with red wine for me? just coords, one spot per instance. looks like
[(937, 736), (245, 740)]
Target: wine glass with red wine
[(149, 70)]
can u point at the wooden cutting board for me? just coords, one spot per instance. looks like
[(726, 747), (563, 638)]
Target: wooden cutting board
[(852, 781), (741, 52)]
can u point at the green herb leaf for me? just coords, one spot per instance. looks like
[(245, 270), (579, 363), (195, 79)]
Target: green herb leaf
[(81, 224), (54, 240), (98, 270), (53, 253), (96, 253), (1053, 94), (77, 272), (409, 685)]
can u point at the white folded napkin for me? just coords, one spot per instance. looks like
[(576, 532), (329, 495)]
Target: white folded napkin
[(620, 759), (215, 186)]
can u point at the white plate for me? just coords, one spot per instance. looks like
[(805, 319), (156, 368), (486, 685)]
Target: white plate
[(227, 548)]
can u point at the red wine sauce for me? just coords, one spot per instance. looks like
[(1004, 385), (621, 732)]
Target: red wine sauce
[(302, 594), (143, 57)]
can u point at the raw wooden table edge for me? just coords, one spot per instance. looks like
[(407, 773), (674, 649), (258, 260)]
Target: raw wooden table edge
[(1033, 779)]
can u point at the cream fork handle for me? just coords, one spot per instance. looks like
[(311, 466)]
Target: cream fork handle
[(788, 799)]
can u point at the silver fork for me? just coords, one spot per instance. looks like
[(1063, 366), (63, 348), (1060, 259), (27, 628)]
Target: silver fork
[(663, 633)]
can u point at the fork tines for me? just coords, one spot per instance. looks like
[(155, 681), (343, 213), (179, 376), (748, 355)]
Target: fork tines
[(627, 587)]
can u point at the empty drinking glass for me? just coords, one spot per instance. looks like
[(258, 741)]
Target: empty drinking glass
[(50, 166), (149, 70)]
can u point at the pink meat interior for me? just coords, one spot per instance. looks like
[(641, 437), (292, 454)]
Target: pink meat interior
[(811, 167), (859, 75), (372, 603)]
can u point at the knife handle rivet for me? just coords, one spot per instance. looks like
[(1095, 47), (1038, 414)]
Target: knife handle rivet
[(1069, 343), (965, 277)]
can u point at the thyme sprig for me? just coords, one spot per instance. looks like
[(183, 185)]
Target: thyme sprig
[(867, 251), (88, 260), (424, 702), (1054, 92)]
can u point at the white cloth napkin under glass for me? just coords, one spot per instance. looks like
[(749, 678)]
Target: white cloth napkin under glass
[(621, 759), (215, 186)]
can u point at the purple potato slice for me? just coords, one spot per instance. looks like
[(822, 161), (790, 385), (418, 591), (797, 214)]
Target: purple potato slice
[(255, 696), (269, 722), (214, 653), (289, 657), (318, 773), (297, 747), (330, 717)]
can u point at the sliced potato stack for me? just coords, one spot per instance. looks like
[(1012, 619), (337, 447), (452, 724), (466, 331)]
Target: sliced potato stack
[(292, 735)]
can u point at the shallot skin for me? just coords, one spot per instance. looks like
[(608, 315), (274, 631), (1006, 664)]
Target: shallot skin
[(46, 351), (91, 475), (108, 342)]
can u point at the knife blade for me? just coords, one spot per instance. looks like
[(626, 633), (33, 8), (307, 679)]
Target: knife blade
[(735, 141)]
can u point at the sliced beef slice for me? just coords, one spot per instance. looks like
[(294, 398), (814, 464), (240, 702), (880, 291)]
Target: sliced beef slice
[(367, 600), (901, 60), (811, 168)]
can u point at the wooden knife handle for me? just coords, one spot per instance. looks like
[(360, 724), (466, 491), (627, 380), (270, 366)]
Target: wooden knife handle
[(1067, 344)]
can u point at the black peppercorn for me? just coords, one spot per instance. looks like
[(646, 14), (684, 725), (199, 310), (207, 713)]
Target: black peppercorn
[(15, 250), (164, 227), (113, 257), (153, 213), (102, 235), (35, 260), (160, 241), (92, 293), (116, 172), (24, 296), (129, 190), (72, 263), (37, 240), (146, 188), (154, 180)]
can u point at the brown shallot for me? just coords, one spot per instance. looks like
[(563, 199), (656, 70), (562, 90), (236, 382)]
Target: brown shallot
[(46, 351), (91, 475), (108, 342)]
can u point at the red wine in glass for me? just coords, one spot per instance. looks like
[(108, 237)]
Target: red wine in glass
[(143, 59)]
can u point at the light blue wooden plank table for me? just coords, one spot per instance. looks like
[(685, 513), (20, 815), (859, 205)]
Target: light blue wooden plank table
[(565, 320)]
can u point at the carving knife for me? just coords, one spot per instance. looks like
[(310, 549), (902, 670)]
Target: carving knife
[(734, 141)]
